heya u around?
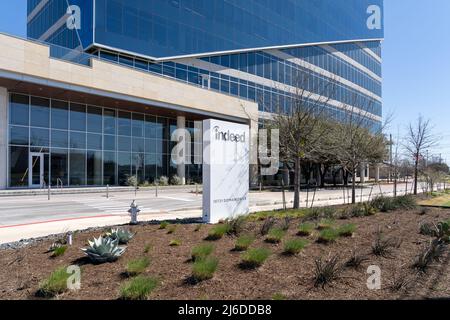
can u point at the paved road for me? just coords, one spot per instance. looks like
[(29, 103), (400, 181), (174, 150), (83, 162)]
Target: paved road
[(32, 209)]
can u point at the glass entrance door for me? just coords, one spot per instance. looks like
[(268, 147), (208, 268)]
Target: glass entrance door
[(36, 168)]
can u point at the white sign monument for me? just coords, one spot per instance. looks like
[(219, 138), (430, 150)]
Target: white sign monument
[(225, 170)]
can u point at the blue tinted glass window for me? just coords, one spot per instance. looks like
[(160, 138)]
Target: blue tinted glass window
[(60, 115), (77, 117), (124, 123), (18, 136), (94, 141), (94, 119), (40, 112), (19, 110), (39, 137), (60, 139)]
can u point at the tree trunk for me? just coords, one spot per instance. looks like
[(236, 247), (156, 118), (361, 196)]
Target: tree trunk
[(323, 171), (345, 177), (416, 174), (297, 175), (353, 186)]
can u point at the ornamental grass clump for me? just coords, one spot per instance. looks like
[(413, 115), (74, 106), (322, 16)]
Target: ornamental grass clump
[(204, 269), (218, 231), (325, 224), (137, 266), (59, 251), (138, 288), (254, 258), (275, 235), (294, 246), (244, 242), (201, 251), (346, 230), (305, 229), (328, 236), (55, 284)]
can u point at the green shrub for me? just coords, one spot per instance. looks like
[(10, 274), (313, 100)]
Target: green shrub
[(362, 210), (218, 231), (59, 251), (138, 266), (175, 243), (244, 242), (176, 180), (328, 235), (171, 229), (163, 225), (236, 225), (347, 230), (405, 202), (204, 269), (325, 224), (329, 212), (275, 235), (254, 258), (163, 181), (294, 246), (201, 251), (138, 288), (305, 229), (383, 204), (55, 284)]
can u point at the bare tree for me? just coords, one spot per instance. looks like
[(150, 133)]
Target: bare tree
[(419, 138), (302, 126), (359, 141)]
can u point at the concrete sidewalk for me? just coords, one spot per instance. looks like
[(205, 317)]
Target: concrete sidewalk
[(35, 217)]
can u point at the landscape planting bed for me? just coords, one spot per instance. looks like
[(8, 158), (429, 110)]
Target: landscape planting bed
[(281, 276)]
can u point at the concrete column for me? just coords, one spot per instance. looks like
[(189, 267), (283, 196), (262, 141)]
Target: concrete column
[(181, 168), (363, 173), (3, 138)]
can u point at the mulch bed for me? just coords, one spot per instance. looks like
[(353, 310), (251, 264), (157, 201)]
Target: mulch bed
[(22, 269)]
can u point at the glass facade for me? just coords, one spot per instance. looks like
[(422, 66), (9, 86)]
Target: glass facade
[(266, 79), (167, 28), (254, 50), (83, 145)]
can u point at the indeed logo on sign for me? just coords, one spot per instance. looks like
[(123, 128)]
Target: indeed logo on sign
[(228, 136)]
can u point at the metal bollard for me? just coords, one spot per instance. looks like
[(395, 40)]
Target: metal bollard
[(196, 189), (107, 191), (48, 192), (156, 191), (69, 238), (133, 211)]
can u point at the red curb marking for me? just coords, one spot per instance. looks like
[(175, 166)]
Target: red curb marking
[(57, 220)]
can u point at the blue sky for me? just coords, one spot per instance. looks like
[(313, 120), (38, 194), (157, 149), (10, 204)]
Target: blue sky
[(416, 61)]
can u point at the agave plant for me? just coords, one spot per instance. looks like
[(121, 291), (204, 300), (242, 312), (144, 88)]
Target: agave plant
[(103, 250), (123, 235)]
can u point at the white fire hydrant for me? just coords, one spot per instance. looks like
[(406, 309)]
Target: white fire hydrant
[(134, 210)]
